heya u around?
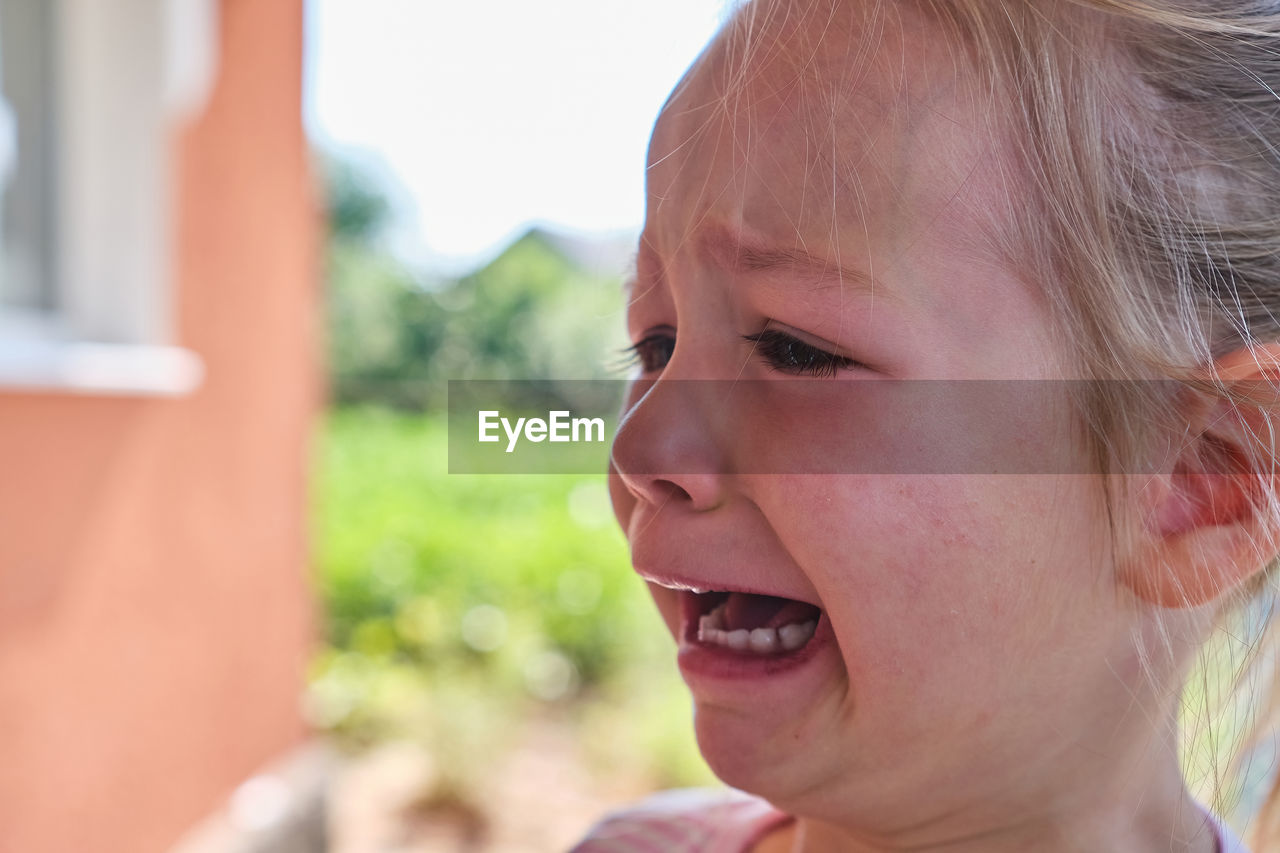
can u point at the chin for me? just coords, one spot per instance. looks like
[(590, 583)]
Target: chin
[(775, 763), (742, 752)]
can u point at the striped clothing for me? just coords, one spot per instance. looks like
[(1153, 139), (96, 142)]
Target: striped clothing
[(691, 820), (709, 821)]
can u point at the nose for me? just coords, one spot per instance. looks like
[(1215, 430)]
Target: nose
[(669, 445)]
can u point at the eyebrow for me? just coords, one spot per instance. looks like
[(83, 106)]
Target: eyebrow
[(736, 253)]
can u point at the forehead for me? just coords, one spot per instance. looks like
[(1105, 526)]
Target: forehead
[(826, 122)]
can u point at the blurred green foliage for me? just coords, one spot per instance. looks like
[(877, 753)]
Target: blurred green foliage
[(534, 312), (458, 606), (406, 547)]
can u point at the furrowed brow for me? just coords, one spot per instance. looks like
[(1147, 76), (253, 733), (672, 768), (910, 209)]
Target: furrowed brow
[(738, 254)]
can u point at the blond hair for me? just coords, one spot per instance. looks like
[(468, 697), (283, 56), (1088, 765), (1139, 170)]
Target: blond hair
[(1146, 136)]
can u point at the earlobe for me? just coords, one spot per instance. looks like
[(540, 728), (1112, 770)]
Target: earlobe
[(1196, 569), (1209, 524)]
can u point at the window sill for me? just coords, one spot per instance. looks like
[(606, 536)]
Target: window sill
[(129, 370)]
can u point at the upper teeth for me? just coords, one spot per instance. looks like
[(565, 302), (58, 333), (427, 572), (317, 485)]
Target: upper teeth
[(711, 630)]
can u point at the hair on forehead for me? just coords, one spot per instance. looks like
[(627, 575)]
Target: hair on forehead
[(859, 79)]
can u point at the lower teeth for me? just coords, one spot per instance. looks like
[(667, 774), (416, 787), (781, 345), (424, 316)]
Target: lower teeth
[(762, 641)]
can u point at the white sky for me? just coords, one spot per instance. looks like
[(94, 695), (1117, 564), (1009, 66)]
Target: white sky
[(494, 115)]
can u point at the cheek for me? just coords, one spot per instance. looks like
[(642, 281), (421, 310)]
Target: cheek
[(924, 577), (902, 427)]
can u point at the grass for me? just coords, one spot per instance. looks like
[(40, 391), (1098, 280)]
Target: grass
[(459, 605)]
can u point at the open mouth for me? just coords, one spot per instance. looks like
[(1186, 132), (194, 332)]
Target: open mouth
[(751, 624)]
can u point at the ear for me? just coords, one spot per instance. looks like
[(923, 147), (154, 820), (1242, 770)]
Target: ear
[(1207, 530)]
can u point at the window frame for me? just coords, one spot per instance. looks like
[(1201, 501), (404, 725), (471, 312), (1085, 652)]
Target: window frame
[(126, 73)]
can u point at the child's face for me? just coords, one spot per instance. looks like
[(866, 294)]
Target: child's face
[(969, 623)]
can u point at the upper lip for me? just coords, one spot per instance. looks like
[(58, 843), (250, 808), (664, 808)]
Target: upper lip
[(685, 583), (674, 582), (718, 560)]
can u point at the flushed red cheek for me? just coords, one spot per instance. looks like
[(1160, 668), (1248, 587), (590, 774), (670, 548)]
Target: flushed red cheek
[(892, 427), (814, 427)]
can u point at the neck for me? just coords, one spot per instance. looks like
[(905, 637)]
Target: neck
[(1184, 830), (1144, 809)]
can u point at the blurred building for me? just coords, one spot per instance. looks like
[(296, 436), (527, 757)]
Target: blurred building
[(158, 307)]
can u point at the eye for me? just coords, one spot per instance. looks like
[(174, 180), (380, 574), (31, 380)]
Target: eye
[(789, 354), (652, 352)]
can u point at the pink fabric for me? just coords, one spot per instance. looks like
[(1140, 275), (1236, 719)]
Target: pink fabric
[(698, 820), (685, 821)]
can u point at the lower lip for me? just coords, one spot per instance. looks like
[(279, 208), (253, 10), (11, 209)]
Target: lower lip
[(704, 660)]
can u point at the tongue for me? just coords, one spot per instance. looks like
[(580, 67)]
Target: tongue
[(744, 610)]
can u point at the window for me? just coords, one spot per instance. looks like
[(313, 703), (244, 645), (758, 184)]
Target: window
[(89, 93), (26, 132)]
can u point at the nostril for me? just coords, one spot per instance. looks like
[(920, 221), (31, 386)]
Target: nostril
[(667, 449), (669, 490), (697, 491), (648, 486)]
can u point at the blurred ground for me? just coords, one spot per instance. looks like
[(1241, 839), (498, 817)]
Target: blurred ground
[(541, 798)]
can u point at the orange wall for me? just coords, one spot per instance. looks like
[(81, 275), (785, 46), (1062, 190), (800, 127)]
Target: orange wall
[(155, 617)]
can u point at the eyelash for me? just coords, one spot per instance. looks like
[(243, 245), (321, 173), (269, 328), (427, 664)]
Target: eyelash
[(645, 351), (783, 352), (789, 354)]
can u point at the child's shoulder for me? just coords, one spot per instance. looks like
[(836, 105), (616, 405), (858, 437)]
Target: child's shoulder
[(689, 819)]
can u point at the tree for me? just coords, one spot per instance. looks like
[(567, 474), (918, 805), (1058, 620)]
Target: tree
[(534, 312)]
